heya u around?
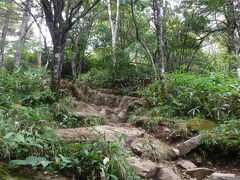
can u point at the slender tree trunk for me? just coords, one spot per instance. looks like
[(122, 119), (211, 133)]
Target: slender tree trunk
[(39, 58), (22, 35), (231, 26), (4, 34), (114, 27), (139, 39), (158, 20)]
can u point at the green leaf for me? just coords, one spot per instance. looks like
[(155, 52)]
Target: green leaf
[(31, 160)]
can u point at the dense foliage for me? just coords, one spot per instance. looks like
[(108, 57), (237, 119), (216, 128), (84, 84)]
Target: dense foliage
[(181, 57), (213, 97), (27, 133)]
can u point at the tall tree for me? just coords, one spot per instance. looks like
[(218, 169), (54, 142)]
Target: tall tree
[(79, 37), (4, 32), (22, 33), (137, 33), (60, 16), (114, 25), (158, 10)]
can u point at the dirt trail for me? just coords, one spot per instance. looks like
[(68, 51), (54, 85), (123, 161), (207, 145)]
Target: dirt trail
[(153, 157)]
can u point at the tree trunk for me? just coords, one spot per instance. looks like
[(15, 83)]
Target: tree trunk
[(57, 63), (158, 20), (22, 35), (114, 28), (231, 26), (59, 27), (4, 34), (139, 39), (39, 58)]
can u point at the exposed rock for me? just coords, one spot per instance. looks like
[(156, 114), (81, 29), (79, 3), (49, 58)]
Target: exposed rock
[(141, 146), (144, 168), (85, 109), (122, 116), (189, 145), (88, 95), (104, 112), (199, 173), (107, 132), (166, 174), (113, 118), (185, 164), (125, 101), (222, 176), (151, 148), (111, 107), (117, 110), (137, 103)]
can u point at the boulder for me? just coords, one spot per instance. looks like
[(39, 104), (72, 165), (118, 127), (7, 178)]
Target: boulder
[(185, 164), (106, 132), (88, 95), (199, 173), (166, 174), (122, 116), (189, 145), (117, 110), (152, 148), (223, 176), (114, 118), (126, 101), (143, 168), (104, 112)]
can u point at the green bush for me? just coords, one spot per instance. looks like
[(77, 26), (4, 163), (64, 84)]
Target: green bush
[(24, 84), (27, 113), (124, 79), (215, 97), (225, 138)]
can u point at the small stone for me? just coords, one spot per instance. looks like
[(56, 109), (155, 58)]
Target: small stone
[(199, 173), (223, 176), (186, 164), (167, 174), (189, 145), (145, 169), (114, 118), (117, 110), (104, 112), (122, 115)]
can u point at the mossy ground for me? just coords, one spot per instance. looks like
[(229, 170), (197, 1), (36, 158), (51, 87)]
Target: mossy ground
[(200, 124)]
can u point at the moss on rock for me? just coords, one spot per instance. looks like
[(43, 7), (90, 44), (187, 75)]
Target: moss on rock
[(200, 124)]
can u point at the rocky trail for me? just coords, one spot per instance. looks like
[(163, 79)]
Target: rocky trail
[(152, 157)]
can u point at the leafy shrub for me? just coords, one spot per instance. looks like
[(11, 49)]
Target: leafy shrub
[(22, 84), (215, 97), (27, 111), (41, 149), (225, 138), (125, 79)]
